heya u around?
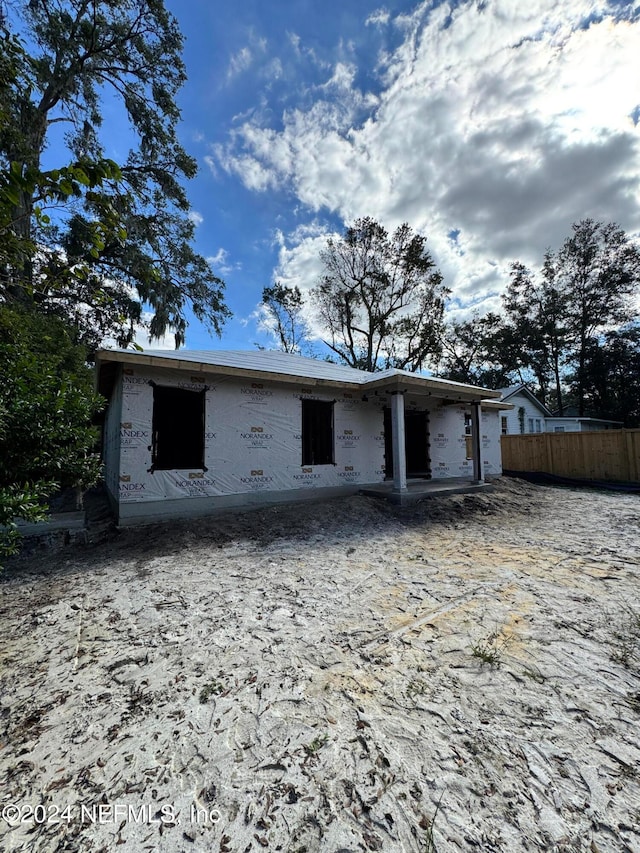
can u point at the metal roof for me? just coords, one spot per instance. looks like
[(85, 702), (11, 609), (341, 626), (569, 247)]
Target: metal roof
[(270, 361), (507, 392), (581, 420), (287, 367)]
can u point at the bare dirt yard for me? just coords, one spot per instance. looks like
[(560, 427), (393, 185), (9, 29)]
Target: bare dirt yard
[(346, 676)]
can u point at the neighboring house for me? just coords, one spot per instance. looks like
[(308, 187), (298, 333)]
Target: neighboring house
[(528, 414), (187, 432), (558, 424)]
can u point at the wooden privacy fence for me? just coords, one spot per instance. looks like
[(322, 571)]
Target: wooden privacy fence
[(607, 455)]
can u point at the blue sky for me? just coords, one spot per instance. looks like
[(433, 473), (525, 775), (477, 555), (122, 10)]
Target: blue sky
[(488, 125), (254, 68)]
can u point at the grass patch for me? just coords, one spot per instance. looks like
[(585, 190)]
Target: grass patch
[(491, 649), (428, 824), (316, 744), (213, 688)]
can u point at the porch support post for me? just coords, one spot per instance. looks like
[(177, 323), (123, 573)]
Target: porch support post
[(476, 442), (397, 432)]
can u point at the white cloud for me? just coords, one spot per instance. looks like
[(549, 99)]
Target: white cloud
[(195, 217), (239, 62), (504, 120), (294, 41), (211, 164), (220, 262), (343, 76), (305, 52), (274, 69), (249, 169), (141, 338), (298, 256), (378, 18), (248, 56), (299, 263)]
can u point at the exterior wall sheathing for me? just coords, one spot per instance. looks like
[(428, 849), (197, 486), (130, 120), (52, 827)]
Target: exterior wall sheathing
[(449, 443), (253, 445), (112, 442)]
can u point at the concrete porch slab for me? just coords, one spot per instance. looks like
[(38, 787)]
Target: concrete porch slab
[(419, 490)]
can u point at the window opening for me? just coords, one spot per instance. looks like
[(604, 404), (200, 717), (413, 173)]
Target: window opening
[(317, 433)]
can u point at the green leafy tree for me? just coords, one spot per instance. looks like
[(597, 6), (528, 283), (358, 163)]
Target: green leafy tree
[(563, 329), (46, 406), (283, 317), (611, 383), (598, 268), (583, 291), (46, 395), (80, 50), (481, 351), (381, 298), (536, 318)]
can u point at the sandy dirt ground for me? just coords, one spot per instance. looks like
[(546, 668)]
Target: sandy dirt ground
[(347, 676)]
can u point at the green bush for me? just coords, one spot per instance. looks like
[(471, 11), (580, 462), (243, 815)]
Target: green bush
[(47, 404)]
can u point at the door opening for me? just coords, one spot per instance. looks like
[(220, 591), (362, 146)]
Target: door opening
[(178, 429), (416, 440)]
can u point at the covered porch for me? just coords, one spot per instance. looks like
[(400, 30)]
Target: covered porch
[(412, 400)]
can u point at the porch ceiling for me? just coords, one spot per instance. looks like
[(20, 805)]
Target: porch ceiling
[(429, 388)]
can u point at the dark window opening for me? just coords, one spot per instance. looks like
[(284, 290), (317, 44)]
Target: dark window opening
[(317, 433), (178, 428)]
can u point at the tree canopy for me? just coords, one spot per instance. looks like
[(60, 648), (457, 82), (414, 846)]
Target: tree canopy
[(611, 377), (76, 55), (89, 245), (381, 298), (283, 309), (47, 404), (598, 270), (480, 351), (569, 330), (583, 291)]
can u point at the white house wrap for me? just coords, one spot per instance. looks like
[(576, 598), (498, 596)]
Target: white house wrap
[(190, 432)]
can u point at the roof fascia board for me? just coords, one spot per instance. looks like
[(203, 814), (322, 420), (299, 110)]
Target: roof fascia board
[(581, 420)]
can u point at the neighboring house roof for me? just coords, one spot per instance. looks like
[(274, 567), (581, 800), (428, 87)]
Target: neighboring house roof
[(584, 420), (512, 390), (572, 413), (269, 364)]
